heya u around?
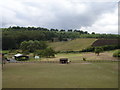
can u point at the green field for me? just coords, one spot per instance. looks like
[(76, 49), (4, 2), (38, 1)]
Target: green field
[(74, 75), (55, 75), (107, 55), (73, 45)]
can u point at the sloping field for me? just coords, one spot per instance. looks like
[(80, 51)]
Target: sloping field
[(73, 45), (102, 42)]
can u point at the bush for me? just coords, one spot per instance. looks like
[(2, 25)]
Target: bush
[(116, 53), (48, 52)]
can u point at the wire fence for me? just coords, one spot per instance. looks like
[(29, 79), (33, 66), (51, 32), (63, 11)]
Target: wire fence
[(74, 61)]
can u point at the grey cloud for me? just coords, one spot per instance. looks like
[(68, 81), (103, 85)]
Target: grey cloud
[(55, 15)]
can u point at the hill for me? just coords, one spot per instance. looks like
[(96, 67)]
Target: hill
[(102, 42), (73, 45)]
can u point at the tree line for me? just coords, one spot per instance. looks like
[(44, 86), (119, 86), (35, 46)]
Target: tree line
[(12, 37)]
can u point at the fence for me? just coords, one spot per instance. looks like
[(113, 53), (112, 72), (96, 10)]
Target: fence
[(74, 61)]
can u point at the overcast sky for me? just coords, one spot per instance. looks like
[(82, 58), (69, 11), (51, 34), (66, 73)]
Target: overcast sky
[(91, 16)]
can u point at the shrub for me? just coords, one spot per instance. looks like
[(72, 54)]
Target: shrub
[(48, 52), (116, 53)]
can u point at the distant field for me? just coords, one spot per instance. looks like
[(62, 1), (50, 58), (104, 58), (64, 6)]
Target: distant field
[(102, 42), (74, 75), (74, 45), (107, 55)]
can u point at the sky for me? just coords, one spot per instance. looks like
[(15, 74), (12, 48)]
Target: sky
[(100, 16)]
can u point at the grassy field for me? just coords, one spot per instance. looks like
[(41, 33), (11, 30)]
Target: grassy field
[(74, 45), (74, 75), (55, 75), (108, 55)]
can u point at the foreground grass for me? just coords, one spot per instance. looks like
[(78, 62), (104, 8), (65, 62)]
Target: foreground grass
[(74, 75)]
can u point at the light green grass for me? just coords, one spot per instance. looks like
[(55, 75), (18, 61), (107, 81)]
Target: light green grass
[(74, 45), (5, 51), (79, 75), (108, 55)]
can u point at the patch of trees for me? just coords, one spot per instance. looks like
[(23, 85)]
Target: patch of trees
[(93, 35), (105, 48), (48, 52), (37, 47), (12, 38), (116, 53), (92, 49), (32, 46)]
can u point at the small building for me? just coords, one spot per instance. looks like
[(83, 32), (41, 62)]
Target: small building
[(37, 57), (64, 60), (21, 57)]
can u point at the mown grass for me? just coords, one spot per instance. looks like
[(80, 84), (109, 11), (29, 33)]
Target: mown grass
[(74, 45), (79, 75)]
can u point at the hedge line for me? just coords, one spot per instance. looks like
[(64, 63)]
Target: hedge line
[(91, 49)]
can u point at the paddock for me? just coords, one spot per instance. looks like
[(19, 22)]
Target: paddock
[(55, 75)]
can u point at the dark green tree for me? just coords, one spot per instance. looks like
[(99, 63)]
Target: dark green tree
[(116, 53), (49, 52), (32, 46), (98, 50)]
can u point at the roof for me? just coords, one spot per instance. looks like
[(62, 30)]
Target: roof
[(17, 55)]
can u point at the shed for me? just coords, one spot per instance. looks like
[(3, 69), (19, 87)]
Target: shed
[(64, 60), (21, 57)]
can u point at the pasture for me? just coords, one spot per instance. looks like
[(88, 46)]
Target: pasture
[(55, 75), (107, 55), (73, 45)]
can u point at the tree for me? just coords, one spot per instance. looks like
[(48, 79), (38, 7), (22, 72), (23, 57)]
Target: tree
[(93, 33), (48, 52), (32, 46), (8, 42), (62, 30), (98, 50), (116, 53), (70, 30)]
